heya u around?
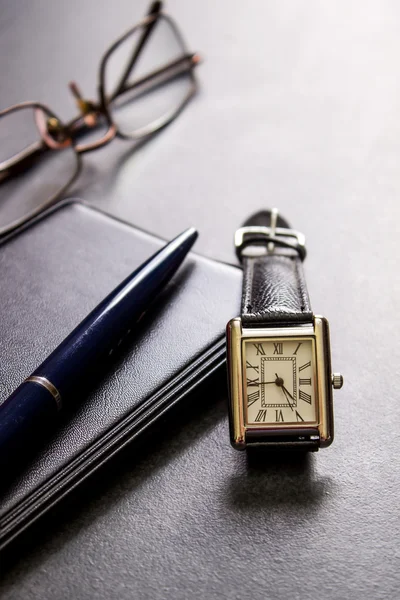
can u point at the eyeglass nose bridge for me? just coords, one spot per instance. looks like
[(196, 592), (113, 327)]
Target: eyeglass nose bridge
[(91, 114)]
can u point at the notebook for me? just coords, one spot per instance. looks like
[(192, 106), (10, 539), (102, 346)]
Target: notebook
[(52, 274)]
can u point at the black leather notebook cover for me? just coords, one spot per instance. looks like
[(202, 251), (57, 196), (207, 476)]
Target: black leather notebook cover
[(52, 274)]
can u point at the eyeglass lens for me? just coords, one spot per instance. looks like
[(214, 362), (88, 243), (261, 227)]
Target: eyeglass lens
[(40, 174), (151, 93)]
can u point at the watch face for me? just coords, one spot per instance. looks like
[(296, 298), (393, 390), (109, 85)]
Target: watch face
[(279, 381)]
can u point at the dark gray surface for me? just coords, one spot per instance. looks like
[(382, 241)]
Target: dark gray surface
[(299, 109)]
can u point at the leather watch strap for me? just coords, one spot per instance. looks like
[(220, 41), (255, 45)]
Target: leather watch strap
[(274, 287)]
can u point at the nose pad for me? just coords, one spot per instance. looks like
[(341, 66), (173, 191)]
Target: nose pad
[(51, 130), (56, 130), (92, 121), (87, 108)]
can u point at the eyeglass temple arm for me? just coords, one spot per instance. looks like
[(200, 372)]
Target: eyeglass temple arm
[(192, 59), (154, 9)]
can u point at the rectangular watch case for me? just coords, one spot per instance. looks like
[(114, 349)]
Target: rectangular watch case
[(309, 435)]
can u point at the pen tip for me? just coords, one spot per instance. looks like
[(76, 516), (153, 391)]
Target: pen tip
[(192, 233), (186, 239)]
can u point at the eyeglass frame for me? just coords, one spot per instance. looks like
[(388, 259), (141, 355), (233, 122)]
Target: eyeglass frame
[(91, 112)]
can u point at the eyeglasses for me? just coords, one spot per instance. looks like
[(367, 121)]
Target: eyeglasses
[(145, 79)]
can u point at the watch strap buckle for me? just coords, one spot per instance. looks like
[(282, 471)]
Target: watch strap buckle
[(268, 237)]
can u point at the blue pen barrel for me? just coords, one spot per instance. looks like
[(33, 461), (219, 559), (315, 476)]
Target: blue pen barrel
[(29, 411), (87, 349), (33, 407)]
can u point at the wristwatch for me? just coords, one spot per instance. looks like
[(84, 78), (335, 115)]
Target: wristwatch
[(279, 363)]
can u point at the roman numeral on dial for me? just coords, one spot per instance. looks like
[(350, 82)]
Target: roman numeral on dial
[(279, 416), (260, 349), (304, 396), (305, 381), (252, 382), (250, 366), (253, 397), (298, 346), (278, 348), (299, 417), (262, 415), (305, 366)]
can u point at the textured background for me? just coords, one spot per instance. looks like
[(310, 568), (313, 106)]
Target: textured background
[(298, 108)]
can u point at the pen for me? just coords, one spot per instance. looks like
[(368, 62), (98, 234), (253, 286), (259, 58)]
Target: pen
[(32, 409)]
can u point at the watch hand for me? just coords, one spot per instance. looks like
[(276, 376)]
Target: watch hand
[(288, 393), (279, 382), (284, 393)]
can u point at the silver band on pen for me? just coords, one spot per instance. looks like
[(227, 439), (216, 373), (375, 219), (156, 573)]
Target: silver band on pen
[(49, 387)]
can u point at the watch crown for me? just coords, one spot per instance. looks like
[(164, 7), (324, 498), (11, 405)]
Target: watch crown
[(337, 381)]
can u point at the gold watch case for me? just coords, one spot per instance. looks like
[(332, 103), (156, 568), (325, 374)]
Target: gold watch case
[(310, 435)]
